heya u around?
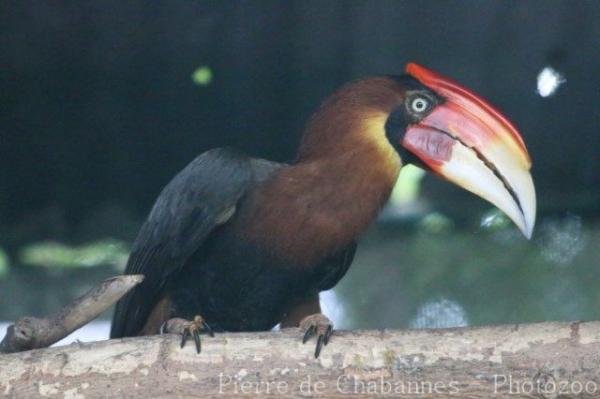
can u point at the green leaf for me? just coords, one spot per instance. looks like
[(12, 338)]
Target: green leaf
[(4, 264), (57, 255), (202, 76)]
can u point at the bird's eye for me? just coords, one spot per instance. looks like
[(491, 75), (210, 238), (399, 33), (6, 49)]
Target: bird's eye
[(419, 104)]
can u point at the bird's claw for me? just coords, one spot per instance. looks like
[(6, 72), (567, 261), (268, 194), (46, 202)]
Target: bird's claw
[(189, 329), (317, 325)]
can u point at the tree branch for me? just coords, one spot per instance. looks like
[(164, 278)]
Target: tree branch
[(544, 360), (31, 333)]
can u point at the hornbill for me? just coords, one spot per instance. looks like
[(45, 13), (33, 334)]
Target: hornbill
[(241, 244)]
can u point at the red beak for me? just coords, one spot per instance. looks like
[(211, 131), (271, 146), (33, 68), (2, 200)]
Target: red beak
[(469, 142)]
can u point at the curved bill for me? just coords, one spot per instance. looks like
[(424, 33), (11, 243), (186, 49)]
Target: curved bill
[(468, 142)]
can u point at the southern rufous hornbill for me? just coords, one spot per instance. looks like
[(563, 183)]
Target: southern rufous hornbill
[(240, 244)]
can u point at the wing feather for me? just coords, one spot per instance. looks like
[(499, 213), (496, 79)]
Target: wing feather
[(198, 199)]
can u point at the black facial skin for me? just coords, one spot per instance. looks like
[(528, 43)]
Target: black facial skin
[(404, 115)]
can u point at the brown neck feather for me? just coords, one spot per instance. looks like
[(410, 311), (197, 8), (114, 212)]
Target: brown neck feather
[(344, 174)]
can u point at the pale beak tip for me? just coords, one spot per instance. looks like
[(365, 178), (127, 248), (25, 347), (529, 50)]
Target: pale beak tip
[(528, 217), (525, 228), (522, 211), (528, 232), (530, 207)]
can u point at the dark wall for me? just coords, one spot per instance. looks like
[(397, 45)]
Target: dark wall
[(97, 105)]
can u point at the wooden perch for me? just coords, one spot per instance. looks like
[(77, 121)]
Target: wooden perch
[(545, 360), (31, 333)]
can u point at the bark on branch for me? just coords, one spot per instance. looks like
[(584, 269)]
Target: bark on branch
[(545, 360), (31, 332)]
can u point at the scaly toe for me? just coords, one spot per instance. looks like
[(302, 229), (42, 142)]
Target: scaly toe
[(188, 329), (317, 325)]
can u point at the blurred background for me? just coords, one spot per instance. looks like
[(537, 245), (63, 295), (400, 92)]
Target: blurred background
[(102, 102)]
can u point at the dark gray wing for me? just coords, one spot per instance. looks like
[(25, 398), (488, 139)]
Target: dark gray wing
[(199, 198)]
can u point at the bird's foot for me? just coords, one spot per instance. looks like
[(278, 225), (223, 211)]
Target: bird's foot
[(317, 325), (187, 329)]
